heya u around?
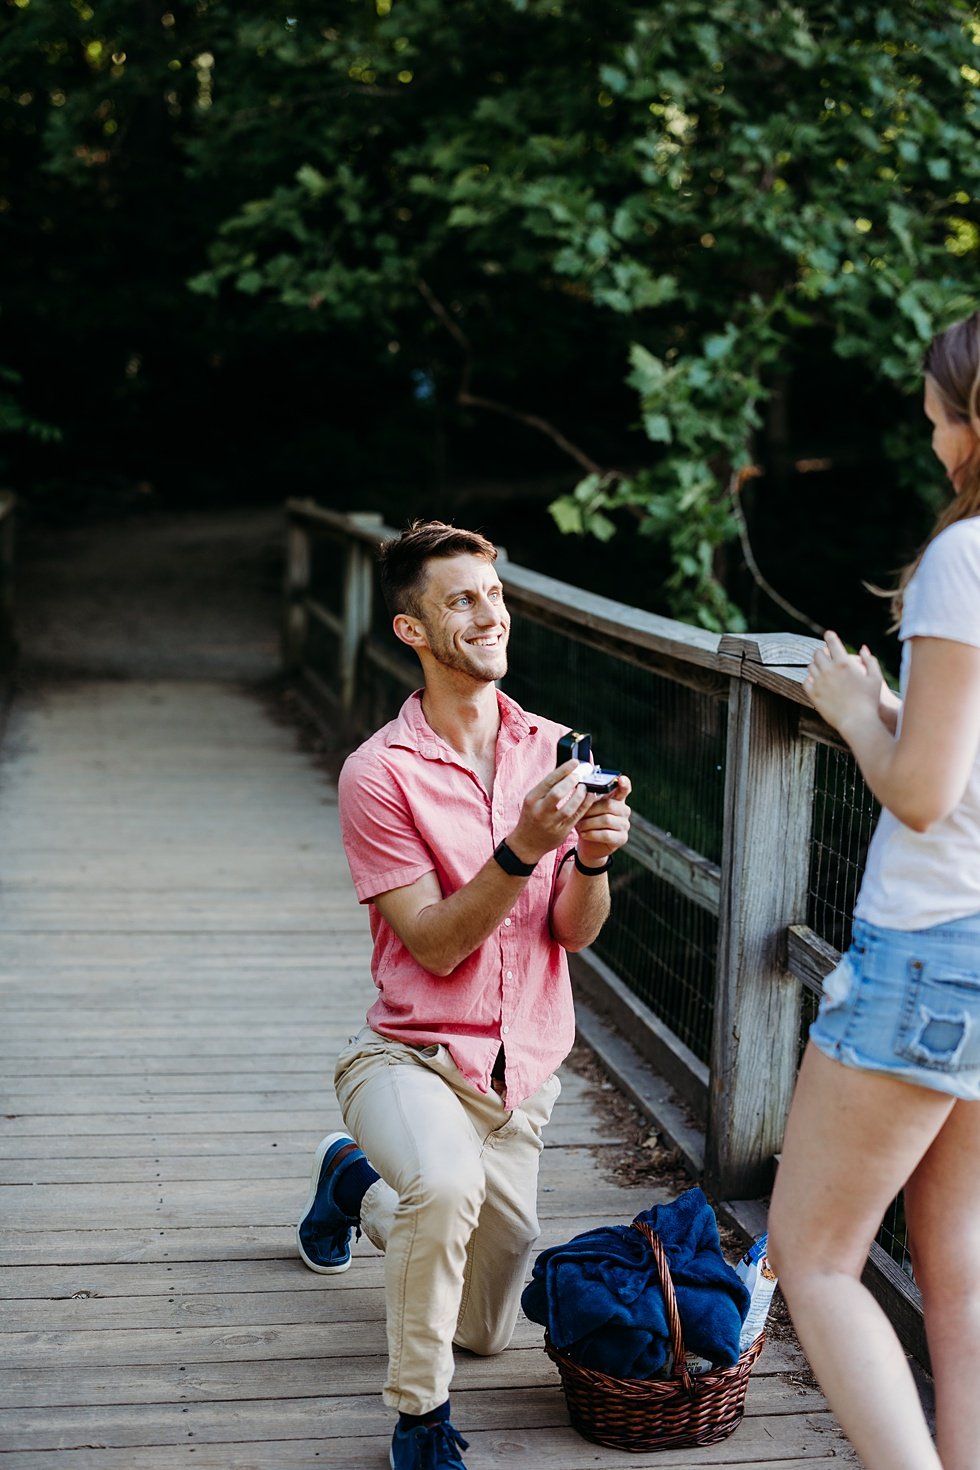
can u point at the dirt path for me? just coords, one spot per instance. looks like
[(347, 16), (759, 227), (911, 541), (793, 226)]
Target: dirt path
[(194, 595)]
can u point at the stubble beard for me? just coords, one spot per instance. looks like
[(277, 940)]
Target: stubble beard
[(450, 656)]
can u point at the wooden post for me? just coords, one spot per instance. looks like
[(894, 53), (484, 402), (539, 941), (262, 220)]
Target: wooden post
[(765, 861), (297, 586), (358, 602)]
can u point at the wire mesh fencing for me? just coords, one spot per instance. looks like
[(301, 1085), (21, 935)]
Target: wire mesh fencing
[(844, 817), (670, 740)]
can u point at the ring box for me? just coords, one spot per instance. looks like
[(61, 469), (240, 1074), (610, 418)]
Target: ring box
[(578, 746)]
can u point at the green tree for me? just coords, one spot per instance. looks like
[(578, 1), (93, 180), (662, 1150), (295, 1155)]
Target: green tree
[(480, 184), (497, 207)]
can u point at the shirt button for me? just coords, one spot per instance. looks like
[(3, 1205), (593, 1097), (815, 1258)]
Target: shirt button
[(507, 922), (509, 975), (505, 1029)]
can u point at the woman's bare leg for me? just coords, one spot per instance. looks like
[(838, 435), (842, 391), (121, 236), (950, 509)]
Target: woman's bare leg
[(942, 1207), (852, 1140)]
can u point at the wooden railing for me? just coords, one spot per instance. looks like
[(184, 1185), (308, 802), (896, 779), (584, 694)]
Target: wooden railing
[(767, 958)]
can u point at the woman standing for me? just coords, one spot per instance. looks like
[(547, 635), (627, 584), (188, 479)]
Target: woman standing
[(889, 1088)]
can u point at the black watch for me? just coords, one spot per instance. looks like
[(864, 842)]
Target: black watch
[(590, 872), (511, 863)]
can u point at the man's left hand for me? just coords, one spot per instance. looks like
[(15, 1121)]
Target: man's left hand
[(606, 826)]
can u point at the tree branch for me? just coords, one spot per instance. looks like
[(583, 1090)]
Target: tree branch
[(473, 400), (735, 484)]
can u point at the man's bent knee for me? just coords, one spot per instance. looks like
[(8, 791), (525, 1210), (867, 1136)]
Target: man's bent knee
[(450, 1191)]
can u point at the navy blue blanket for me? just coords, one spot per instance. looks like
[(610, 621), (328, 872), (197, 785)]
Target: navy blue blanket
[(599, 1294)]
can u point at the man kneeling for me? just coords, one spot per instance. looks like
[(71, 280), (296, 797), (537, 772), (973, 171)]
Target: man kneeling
[(482, 864)]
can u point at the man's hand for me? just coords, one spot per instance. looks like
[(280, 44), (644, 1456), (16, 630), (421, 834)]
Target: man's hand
[(606, 826), (550, 811), (581, 903)]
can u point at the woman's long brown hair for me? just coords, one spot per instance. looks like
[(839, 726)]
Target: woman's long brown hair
[(952, 366)]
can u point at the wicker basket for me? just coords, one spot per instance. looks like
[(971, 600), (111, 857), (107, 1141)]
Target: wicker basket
[(656, 1413)]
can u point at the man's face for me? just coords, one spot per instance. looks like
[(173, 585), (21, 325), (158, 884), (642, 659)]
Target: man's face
[(463, 614)]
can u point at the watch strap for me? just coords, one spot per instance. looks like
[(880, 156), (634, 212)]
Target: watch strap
[(511, 863)]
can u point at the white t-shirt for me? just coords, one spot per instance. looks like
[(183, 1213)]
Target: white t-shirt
[(916, 879)]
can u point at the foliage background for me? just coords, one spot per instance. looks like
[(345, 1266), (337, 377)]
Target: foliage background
[(663, 268)]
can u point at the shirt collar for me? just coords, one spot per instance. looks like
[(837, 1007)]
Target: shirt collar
[(411, 730)]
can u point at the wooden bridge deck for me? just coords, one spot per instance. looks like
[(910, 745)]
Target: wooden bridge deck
[(180, 957)]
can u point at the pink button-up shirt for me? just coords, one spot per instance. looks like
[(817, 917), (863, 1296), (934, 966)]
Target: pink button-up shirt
[(409, 805)]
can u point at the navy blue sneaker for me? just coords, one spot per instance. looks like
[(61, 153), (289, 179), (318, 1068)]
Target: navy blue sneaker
[(323, 1233), (427, 1447)]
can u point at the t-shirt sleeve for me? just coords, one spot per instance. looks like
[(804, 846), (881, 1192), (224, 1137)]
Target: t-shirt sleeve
[(384, 849), (943, 598)]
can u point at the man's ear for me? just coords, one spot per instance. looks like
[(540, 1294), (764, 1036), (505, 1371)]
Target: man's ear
[(409, 630)]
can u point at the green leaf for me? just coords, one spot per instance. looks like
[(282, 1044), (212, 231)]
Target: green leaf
[(312, 180), (656, 426), (567, 515)]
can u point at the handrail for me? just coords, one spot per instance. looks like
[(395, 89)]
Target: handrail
[(776, 661)]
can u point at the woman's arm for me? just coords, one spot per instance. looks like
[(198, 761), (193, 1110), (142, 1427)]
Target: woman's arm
[(889, 704), (921, 775)]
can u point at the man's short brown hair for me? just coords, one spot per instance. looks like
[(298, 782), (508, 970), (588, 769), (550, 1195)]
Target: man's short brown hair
[(403, 560)]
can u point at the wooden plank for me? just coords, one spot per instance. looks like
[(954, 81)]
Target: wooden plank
[(677, 864), (84, 1246), (342, 1416), (367, 528), (143, 1383), (217, 1273), (246, 1342), (810, 958), (23, 1320), (268, 1164), (516, 1450), (791, 650), (773, 661), (178, 1202), (177, 1383), (647, 630), (144, 1121)]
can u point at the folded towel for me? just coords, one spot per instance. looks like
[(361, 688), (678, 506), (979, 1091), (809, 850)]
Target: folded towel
[(599, 1294)]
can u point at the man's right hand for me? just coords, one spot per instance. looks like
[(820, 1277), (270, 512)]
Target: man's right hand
[(550, 811)]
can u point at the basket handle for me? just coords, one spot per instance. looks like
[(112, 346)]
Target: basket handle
[(670, 1306)]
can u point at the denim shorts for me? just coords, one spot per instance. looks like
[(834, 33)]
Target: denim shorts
[(907, 1002)]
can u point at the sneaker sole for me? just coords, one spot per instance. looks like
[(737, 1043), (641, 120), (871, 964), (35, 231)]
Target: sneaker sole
[(322, 1147)]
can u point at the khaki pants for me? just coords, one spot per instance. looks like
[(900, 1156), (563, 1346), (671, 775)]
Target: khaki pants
[(455, 1209)]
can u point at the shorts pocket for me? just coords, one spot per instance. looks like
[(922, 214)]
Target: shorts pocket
[(940, 1023), (838, 984)]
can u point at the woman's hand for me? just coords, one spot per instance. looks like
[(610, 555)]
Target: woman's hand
[(844, 687)]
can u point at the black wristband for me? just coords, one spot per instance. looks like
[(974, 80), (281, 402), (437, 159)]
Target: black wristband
[(511, 863), (590, 872)]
